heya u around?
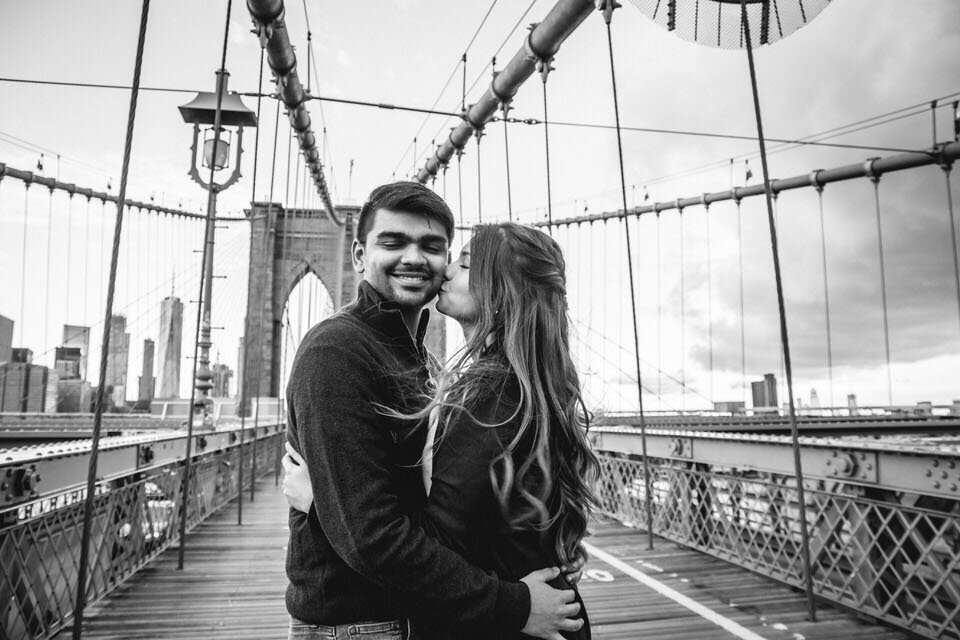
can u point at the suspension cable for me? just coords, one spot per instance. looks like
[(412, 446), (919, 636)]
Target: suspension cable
[(460, 183), (743, 331), (545, 70), (784, 336), (81, 598), (479, 134), (709, 298), (826, 287), (23, 263), (46, 293), (659, 316), (205, 290), (246, 339), (683, 318), (86, 266), (947, 168), (608, 7), (875, 179)]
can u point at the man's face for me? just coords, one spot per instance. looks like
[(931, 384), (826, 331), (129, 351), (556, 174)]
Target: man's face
[(404, 257)]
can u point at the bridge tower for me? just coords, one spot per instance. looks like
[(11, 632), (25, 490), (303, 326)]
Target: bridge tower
[(285, 246)]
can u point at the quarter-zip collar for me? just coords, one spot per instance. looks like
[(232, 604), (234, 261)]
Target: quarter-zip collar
[(384, 317)]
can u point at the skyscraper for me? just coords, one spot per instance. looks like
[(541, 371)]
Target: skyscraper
[(6, 338), (221, 381), (765, 392), (117, 358), (79, 337), (168, 351), (146, 377)]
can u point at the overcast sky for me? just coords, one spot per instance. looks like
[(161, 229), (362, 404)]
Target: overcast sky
[(856, 60)]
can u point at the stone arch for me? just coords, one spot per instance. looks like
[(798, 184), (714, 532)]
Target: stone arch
[(285, 245)]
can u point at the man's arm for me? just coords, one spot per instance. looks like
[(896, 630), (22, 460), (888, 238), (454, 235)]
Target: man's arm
[(347, 447)]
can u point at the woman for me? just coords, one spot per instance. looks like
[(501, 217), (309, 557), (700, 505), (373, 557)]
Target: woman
[(509, 472)]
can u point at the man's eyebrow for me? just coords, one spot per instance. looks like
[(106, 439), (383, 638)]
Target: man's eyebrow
[(393, 235), (407, 238)]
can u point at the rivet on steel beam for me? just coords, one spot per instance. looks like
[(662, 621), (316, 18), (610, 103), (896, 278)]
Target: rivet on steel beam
[(936, 485)]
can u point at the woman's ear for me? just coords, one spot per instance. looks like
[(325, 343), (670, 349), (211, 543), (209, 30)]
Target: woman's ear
[(358, 255)]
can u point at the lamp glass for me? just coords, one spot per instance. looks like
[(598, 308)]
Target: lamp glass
[(222, 161)]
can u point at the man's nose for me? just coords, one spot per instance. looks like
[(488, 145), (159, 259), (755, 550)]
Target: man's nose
[(413, 255)]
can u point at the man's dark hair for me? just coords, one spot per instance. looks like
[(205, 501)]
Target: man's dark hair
[(404, 197)]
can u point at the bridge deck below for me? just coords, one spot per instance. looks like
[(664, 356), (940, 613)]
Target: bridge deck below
[(233, 584)]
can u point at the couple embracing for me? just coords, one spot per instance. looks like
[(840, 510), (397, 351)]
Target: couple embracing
[(435, 503)]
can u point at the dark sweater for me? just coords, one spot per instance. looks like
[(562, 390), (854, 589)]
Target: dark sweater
[(464, 510), (357, 556)]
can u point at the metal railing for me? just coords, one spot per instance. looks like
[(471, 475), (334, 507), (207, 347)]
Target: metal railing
[(136, 517), (888, 551)]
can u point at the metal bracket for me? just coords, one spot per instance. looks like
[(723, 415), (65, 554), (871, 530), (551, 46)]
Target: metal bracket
[(681, 448), (860, 466), (944, 475)]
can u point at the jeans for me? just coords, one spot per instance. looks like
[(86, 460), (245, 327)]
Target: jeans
[(393, 630)]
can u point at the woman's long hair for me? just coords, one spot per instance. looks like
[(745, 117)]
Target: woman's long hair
[(517, 277)]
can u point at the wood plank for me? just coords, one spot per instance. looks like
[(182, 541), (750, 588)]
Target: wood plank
[(233, 583)]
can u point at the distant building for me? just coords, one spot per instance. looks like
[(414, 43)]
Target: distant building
[(73, 396), (221, 381), (79, 337), (118, 356), (6, 338), (765, 392), (814, 399), (146, 376), (21, 355), (852, 402), (26, 387), (67, 362), (729, 406), (168, 348)]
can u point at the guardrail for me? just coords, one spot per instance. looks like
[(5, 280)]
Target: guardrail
[(136, 514), (884, 517)]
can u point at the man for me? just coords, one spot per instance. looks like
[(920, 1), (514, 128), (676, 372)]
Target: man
[(356, 560)]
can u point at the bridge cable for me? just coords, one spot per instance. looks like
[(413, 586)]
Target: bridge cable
[(203, 324), (479, 134), (81, 597), (781, 308), (683, 318), (659, 316), (608, 7), (260, 328), (246, 338), (46, 293), (947, 169), (23, 263), (706, 207), (875, 179), (776, 223), (505, 108), (544, 71), (826, 285), (743, 330), (86, 265), (460, 183), (66, 301)]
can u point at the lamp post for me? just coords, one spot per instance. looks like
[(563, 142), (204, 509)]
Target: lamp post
[(226, 116)]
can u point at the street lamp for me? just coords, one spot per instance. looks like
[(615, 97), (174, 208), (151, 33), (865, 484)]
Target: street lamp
[(221, 112)]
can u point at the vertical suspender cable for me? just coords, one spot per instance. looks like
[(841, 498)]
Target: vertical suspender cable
[(66, 280), (826, 286), (23, 260), (546, 142), (206, 281), (883, 279), (743, 331), (608, 7), (86, 267), (81, 599), (479, 188), (460, 183), (798, 470), (46, 293), (947, 168), (506, 153), (266, 243), (246, 339), (659, 319), (683, 322), (709, 298)]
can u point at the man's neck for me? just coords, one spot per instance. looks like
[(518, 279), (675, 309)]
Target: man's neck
[(411, 318)]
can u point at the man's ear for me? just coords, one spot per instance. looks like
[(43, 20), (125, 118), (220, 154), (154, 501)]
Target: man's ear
[(357, 255)]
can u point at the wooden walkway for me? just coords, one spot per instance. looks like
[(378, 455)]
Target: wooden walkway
[(233, 584)]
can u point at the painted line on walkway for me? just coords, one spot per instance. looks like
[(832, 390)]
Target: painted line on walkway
[(685, 601)]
